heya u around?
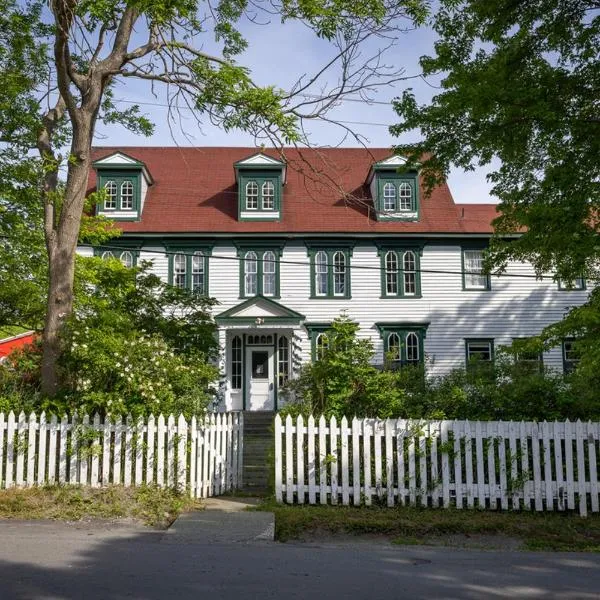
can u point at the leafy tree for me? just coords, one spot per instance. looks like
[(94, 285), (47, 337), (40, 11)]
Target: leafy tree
[(343, 381), (133, 345), (520, 83), (68, 59)]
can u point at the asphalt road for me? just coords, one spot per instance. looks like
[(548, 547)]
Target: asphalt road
[(50, 561)]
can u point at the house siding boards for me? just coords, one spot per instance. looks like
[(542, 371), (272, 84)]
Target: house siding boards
[(202, 204)]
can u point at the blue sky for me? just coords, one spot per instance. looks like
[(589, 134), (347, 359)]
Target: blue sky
[(277, 55)]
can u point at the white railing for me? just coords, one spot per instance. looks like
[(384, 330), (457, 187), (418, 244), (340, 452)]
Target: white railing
[(203, 456), (479, 464)]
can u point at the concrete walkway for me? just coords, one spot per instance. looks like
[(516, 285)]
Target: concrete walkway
[(224, 520)]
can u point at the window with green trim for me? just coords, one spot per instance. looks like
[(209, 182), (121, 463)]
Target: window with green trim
[(400, 273), (319, 338), (259, 194), (259, 273), (472, 272), (396, 195), (330, 273), (479, 352), (188, 269), (402, 344), (570, 356), (128, 258), (121, 192)]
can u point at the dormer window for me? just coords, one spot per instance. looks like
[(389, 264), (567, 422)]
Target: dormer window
[(260, 181), (124, 181), (394, 192)]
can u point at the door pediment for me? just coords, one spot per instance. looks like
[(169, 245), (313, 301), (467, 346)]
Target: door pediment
[(259, 310)]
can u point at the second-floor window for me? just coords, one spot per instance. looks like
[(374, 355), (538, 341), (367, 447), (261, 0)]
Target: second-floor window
[(189, 270), (260, 273), (330, 274), (473, 276), (400, 273)]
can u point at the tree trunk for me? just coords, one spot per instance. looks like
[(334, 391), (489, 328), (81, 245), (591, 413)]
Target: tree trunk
[(61, 255)]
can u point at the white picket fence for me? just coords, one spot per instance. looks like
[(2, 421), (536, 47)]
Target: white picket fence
[(479, 464), (203, 456)]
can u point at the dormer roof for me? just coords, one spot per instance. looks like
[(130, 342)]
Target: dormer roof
[(259, 161), (120, 160), (391, 163)]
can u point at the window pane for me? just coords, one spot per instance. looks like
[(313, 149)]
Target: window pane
[(110, 199), (198, 273), (405, 196), (268, 196), (321, 344), (283, 361), (127, 195), (107, 254), (127, 259), (412, 347), (474, 279), (236, 363), (389, 197), (410, 274), (393, 346), (269, 274), (252, 195), (391, 274), (339, 274), (179, 270), (250, 277), (321, 268), (479, 351), (260, 364)]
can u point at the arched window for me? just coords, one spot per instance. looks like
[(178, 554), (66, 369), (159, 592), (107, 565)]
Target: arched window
[(179, 270), (393, 346), (389, 197), (410, 273), (269, 270), (110, 198), (250, 273), (283, 361), (252, 195), (391, 273), (127, 195), (412, 347), (236, 363), (198, 273), (127, 259), (321, 274), (268, 195), (405, 196), (321, 345), (339, 274), (107, 254)]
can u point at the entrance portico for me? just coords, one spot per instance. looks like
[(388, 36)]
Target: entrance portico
[(257, 341)]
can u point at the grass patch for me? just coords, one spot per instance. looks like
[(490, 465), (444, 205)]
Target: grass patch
[(536, 531), (151, 505)]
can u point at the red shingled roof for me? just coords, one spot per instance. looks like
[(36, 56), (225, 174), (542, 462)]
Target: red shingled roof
[(195, 191)]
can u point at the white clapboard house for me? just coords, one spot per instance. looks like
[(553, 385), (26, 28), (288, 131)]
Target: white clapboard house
[(288, 241)]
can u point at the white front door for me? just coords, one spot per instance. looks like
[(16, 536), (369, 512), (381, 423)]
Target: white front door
[(260, 378)]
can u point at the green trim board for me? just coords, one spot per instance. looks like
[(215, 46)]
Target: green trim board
[(188, 250)]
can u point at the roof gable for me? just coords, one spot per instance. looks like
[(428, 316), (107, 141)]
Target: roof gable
[(259, 310), (121, 160)]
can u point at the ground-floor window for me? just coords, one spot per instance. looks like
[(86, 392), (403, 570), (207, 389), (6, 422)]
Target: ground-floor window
[(570, 356), (236, 363), (478, 351), (283, 361)]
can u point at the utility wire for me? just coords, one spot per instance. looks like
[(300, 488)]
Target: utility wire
[(109, 247)]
